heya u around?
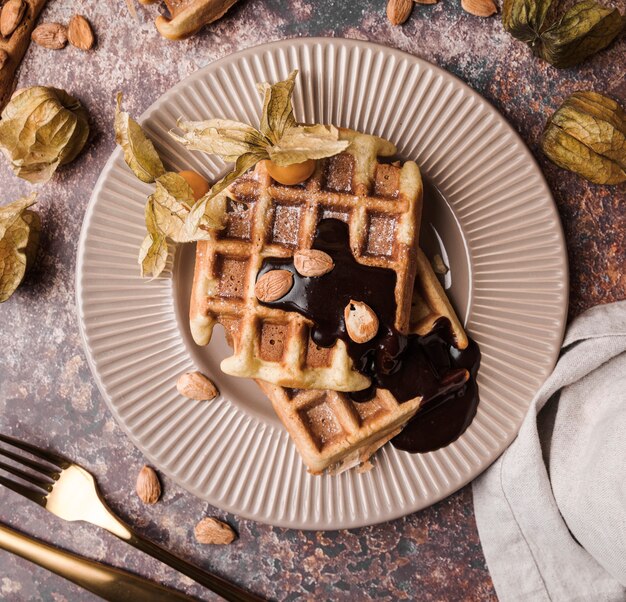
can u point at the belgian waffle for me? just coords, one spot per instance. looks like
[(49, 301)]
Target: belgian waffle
[(334, 433), (381, 202)]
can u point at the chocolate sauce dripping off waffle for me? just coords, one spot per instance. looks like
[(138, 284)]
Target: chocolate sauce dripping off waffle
[(408, 366)]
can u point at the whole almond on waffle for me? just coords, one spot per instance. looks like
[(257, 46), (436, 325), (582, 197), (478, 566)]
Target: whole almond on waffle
[(361, 321), (312, 262), (273, 285)]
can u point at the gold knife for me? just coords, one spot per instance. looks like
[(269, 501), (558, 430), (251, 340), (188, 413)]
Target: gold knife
[(107, 582)]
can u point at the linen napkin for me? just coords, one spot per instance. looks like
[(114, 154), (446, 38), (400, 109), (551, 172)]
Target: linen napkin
[(551, 511)]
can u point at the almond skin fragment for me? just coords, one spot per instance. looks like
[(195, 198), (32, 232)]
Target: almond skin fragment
[(4, 57), (79, 33), (148, 486), (194, 385), (361, 321), (479, 8), (213, 531), (273, 285), (50, 35), (398, 11), (312, 263), (12, 14)]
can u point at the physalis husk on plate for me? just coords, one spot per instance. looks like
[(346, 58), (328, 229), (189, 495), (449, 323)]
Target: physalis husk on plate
[(168, 206), (279, 138)]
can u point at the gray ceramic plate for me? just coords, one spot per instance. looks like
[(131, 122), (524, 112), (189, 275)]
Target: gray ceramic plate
[(488, 212)]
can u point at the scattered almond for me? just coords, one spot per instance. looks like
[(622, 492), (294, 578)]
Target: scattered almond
[(195, 385), (361, 321), (148, 486), (12, 14), (273, 285), (4, 57), (213, 531), (311, 263), (50, 35), (425, 1), (479, 8), (398, 11), (79, 33)]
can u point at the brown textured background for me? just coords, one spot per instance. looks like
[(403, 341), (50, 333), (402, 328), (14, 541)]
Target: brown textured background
[(48, 396)]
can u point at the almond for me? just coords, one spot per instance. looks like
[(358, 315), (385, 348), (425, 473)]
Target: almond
[(50, 35), (311, 263), (361, 321), (79, 33), (194, 385), (273, 285), (425, 1), (12, 14), (398, 11), (479, 8), (4, 57), (211, 530), (148, 486)]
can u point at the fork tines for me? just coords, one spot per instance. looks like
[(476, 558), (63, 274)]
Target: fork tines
[(45, 476)]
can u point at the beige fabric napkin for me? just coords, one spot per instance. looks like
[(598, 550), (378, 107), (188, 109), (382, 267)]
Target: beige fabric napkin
[(551, 511)]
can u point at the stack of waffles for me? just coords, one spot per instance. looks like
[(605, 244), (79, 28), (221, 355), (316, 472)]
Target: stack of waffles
[(308, 385)]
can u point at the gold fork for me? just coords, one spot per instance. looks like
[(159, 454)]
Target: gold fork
[(70, 492)]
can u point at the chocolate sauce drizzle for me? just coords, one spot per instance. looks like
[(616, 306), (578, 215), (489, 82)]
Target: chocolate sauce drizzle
[(407, 365)]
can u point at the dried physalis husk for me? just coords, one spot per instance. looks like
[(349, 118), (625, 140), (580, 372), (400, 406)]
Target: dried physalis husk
[(19, 238), (587, 135), (139, 152), (148, 485), (279, 139), (42, 128), (563, 40), (213, 531)]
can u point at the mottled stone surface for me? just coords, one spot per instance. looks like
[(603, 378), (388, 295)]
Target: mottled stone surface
[(48, 396)]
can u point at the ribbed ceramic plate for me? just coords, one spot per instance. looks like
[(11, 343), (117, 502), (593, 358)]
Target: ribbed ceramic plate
[(488, 212)]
